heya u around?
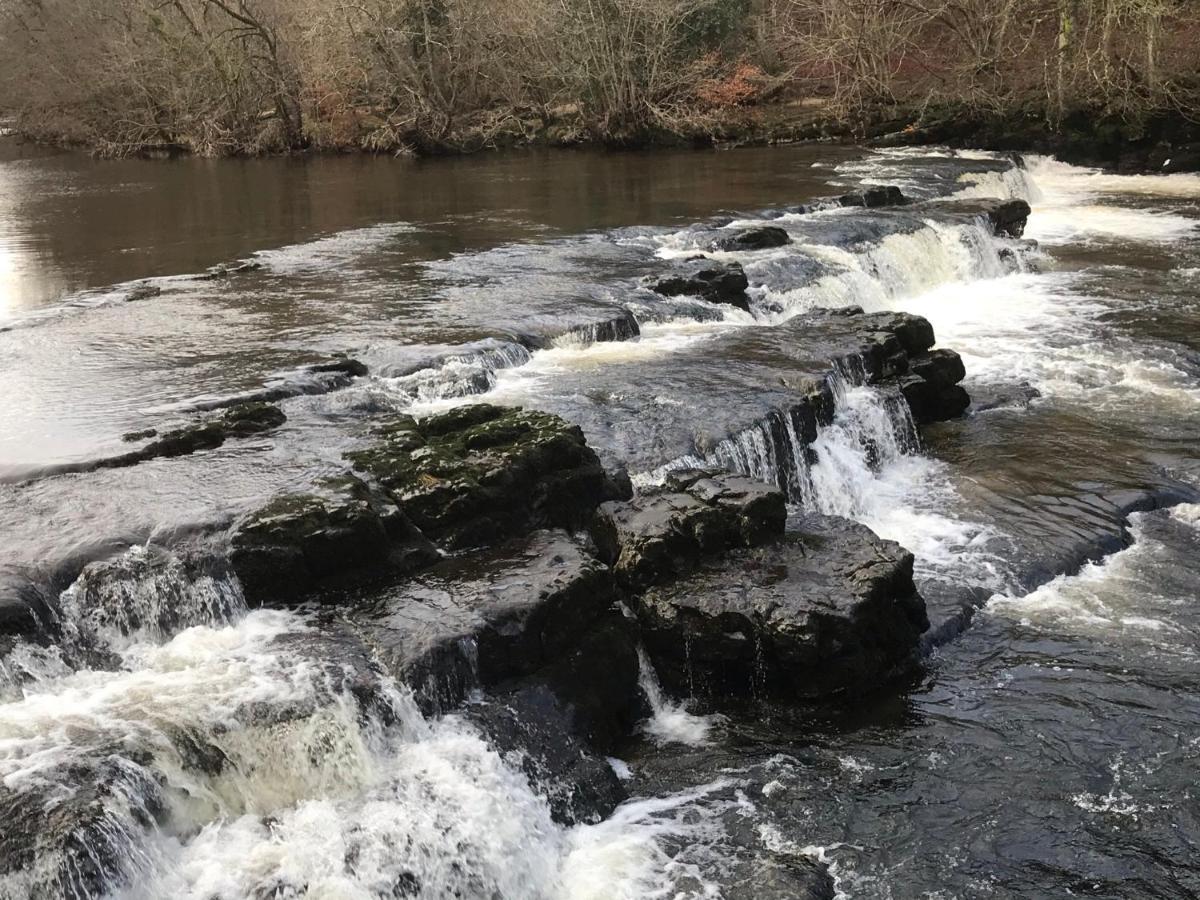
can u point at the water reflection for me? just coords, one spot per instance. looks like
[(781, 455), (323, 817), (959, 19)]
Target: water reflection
[(78, 223)]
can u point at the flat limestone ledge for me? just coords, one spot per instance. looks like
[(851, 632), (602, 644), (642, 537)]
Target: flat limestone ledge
[(829, 609)]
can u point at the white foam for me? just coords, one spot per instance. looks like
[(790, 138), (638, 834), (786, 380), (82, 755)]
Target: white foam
[(876, 275), (1109, 597), (1077, 205), (670, 722), (1043, 330)]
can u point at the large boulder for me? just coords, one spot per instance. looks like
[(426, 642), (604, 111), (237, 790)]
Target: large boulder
[(697, 514), (1006, 218), (709, 280), (472, 476), (829, 609)]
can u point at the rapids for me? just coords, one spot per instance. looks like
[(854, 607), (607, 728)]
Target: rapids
[(179, 744)]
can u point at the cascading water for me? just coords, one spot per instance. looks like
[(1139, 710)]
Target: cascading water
[(233, 754), (458, 374)]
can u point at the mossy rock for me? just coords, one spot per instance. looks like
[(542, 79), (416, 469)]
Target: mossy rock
[(242, 420), (480, 472), (297, 542)]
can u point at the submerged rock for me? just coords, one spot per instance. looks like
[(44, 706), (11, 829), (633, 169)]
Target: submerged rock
[(240, 420), (761, 238), (1018, 395), (829, 609), (709, 280), (143, 291), (472, 476)]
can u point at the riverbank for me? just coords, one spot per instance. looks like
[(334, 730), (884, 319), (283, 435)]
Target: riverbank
[(1160, 144)]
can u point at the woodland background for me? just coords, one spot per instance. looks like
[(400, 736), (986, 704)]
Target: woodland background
[(235, 77)]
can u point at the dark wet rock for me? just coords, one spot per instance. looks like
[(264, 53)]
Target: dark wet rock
[(873, 197), (710, 280), (26, 610), (931, 402), (143, 292), (231, 269), (243, 420), (938, 367), (132, 437), (17, 617), (755, 512), (351, 368), (472, 476), (915, 333), (761, 238), (696, 515), (533, 726), (932, 386), (1000, 396), (298, 543), (1005, 217), (615, 325), (81, 842), (829, 609), (536, 611)]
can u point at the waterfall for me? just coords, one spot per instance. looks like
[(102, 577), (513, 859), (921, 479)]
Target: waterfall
[(622, 326), (669, 722), (874, 274), (1014, 183), (871, 428)]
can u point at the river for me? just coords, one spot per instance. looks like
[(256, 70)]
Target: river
[(1049, 748)]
